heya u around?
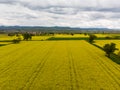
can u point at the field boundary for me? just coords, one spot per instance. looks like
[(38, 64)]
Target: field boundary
[(115, 58)]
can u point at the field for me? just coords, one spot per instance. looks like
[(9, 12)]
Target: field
[(5, 37), (56, 65), (83, 35), (101, 43)]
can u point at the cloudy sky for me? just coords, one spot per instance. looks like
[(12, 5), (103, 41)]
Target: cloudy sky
[(73, 13)]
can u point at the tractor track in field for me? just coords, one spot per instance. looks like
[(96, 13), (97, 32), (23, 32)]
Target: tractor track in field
[(6, 69), (109, 71), (105, 68), (112, 65), (10, 65), (35, 73), (73, 72), (13, 62)]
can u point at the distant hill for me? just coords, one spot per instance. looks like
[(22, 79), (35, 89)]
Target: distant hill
[(46, 28), (55, 29)]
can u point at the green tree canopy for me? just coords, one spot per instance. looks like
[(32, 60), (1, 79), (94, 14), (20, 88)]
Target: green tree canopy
[(109, 48)]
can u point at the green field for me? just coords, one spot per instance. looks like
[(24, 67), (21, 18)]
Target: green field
[(56, 65)]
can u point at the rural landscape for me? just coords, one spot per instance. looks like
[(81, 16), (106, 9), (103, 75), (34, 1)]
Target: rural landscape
[(58, 61), (60, 45)]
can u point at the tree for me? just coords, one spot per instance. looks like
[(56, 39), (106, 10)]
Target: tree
[(92, 37), (11, 34), (27, 36), (17, 40), (109, 48), (119, 54), (72, 34), (85, 34)]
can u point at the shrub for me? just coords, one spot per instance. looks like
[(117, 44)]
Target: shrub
[(17, 40), (107, 37)]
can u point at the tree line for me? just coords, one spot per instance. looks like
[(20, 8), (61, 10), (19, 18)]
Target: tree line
[(26, 36), (108, 48)]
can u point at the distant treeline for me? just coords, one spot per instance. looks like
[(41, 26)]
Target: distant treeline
[(44, 30), (32, 33), (44, 33)]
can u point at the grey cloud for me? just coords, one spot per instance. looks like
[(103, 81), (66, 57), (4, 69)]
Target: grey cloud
[(8, 1), (60, 7), (97, 16), (14, 15), (101, 15), (115, 16), (61, 12), (117, 9), (24, 16), (72, 10), (100, 9)]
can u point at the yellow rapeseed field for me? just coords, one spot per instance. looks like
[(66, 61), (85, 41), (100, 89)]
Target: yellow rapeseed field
[(56, 65), (40, 37), (70, 36), (101, 43)]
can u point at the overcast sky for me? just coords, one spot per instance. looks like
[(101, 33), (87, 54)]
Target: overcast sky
[(73, 13)]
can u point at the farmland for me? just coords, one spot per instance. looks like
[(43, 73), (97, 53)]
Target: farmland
[(56, 65), (5, 37), (101, 43)]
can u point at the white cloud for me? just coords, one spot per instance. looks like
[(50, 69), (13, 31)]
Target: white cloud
[(73, 13)]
